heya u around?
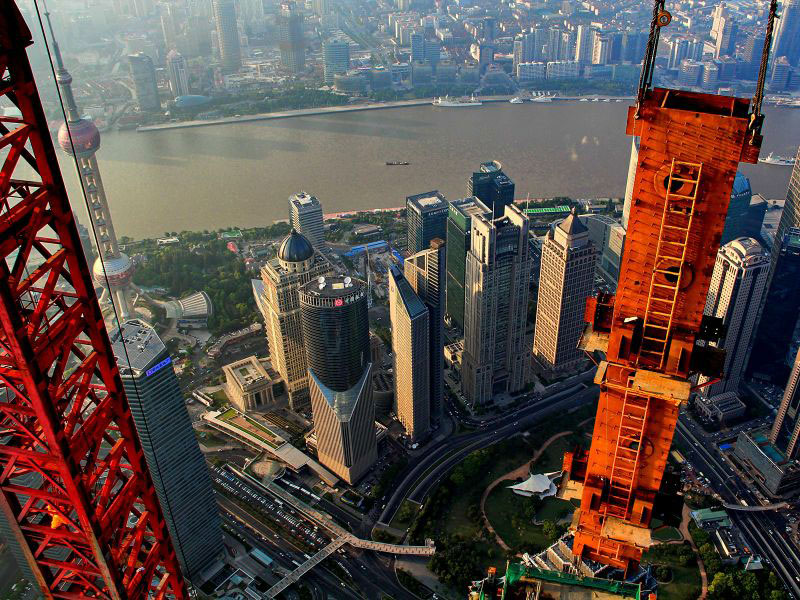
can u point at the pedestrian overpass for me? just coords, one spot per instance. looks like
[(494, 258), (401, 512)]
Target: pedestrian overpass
[(340, 535)]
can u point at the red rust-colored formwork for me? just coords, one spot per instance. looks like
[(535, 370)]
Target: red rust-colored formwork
[(74, 485), (690, 147)]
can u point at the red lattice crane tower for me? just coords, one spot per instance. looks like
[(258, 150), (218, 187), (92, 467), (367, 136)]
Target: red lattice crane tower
[(74, 485), (653, 332)]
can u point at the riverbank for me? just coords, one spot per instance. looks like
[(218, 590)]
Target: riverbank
[(306, 112)]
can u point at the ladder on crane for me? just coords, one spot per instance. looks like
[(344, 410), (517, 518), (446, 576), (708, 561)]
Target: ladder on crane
[(682, 186)]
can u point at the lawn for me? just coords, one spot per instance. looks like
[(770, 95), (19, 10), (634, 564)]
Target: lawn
[(503, 508), (666, 534), (209, 439), (220, 398), (685, 582), (405, 514)]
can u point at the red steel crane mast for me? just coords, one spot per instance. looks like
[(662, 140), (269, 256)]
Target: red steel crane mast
[(653, 332), (74, 484)]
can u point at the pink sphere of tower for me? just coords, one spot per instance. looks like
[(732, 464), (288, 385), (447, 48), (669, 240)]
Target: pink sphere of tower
[(81, 138)]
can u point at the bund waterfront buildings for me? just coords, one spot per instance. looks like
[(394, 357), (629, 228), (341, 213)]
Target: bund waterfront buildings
[(425, 271), (410, 322), (426, 218), (336, 333), (179, 471), (459, 232), (295, 264), (498, 270), (566, 279), (230, 50), (493, 187), (737, 289), (292, 42), (305, 215)]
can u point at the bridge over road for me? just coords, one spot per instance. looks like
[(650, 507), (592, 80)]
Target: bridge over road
[(764, 508)]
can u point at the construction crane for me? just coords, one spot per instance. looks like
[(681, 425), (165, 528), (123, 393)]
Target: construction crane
[(653, 332), (74, 485)]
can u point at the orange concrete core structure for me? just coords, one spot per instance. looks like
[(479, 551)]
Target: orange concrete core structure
[(690, 147)]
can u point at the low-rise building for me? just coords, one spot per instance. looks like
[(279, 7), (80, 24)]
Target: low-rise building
[(249, 383), (770, 469), (722, 408)]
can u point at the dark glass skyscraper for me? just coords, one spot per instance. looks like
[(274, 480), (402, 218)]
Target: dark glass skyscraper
[(459, 223), (336, 333), (493, 187), (426, 219), (738, 222), (777, 330), (292, 42), (179, 471), (230, 50)]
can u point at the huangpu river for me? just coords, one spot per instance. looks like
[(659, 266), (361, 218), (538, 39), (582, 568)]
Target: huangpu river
[(241, 174)]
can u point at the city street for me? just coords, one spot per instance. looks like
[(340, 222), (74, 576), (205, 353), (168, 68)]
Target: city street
[(764, 530)]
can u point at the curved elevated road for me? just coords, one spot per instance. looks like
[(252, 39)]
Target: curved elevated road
[(443, 457)]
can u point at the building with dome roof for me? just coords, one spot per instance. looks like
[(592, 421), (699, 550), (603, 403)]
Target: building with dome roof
[(738, 285), (296, 264), (79, 137)]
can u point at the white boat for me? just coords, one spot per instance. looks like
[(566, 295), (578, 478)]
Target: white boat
[(516, 100), (447, 101), (583, 100), (542, 99), (772, 159)]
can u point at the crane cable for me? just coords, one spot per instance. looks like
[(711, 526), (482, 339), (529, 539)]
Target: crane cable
[(756, 118)]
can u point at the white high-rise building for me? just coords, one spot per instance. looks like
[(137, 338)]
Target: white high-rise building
[(738, 285), (305, 215), (178, 76), (566, 280)]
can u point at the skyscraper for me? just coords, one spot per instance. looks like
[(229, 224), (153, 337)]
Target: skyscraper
[(292, 42), (426, 272), (178, 77), (179, 471), (777, 330), (790, 217), (738, 222), (786, 429), (410, 322), (583, 44), (296, 264), (459, 233), (498, 271), (417, 39), (305, 215), (335, 57), (230, 50), (493, 187), (566, 279), (726, 38), (145, 87), (79, 137), (336, 333), (787, 35), (426, 218), (737, 288)]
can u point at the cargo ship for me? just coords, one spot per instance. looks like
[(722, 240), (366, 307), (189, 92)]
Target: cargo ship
[(447, 101), (772, 159)]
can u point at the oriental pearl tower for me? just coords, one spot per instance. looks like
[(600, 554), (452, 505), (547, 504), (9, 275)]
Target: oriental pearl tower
[(80, 138)]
